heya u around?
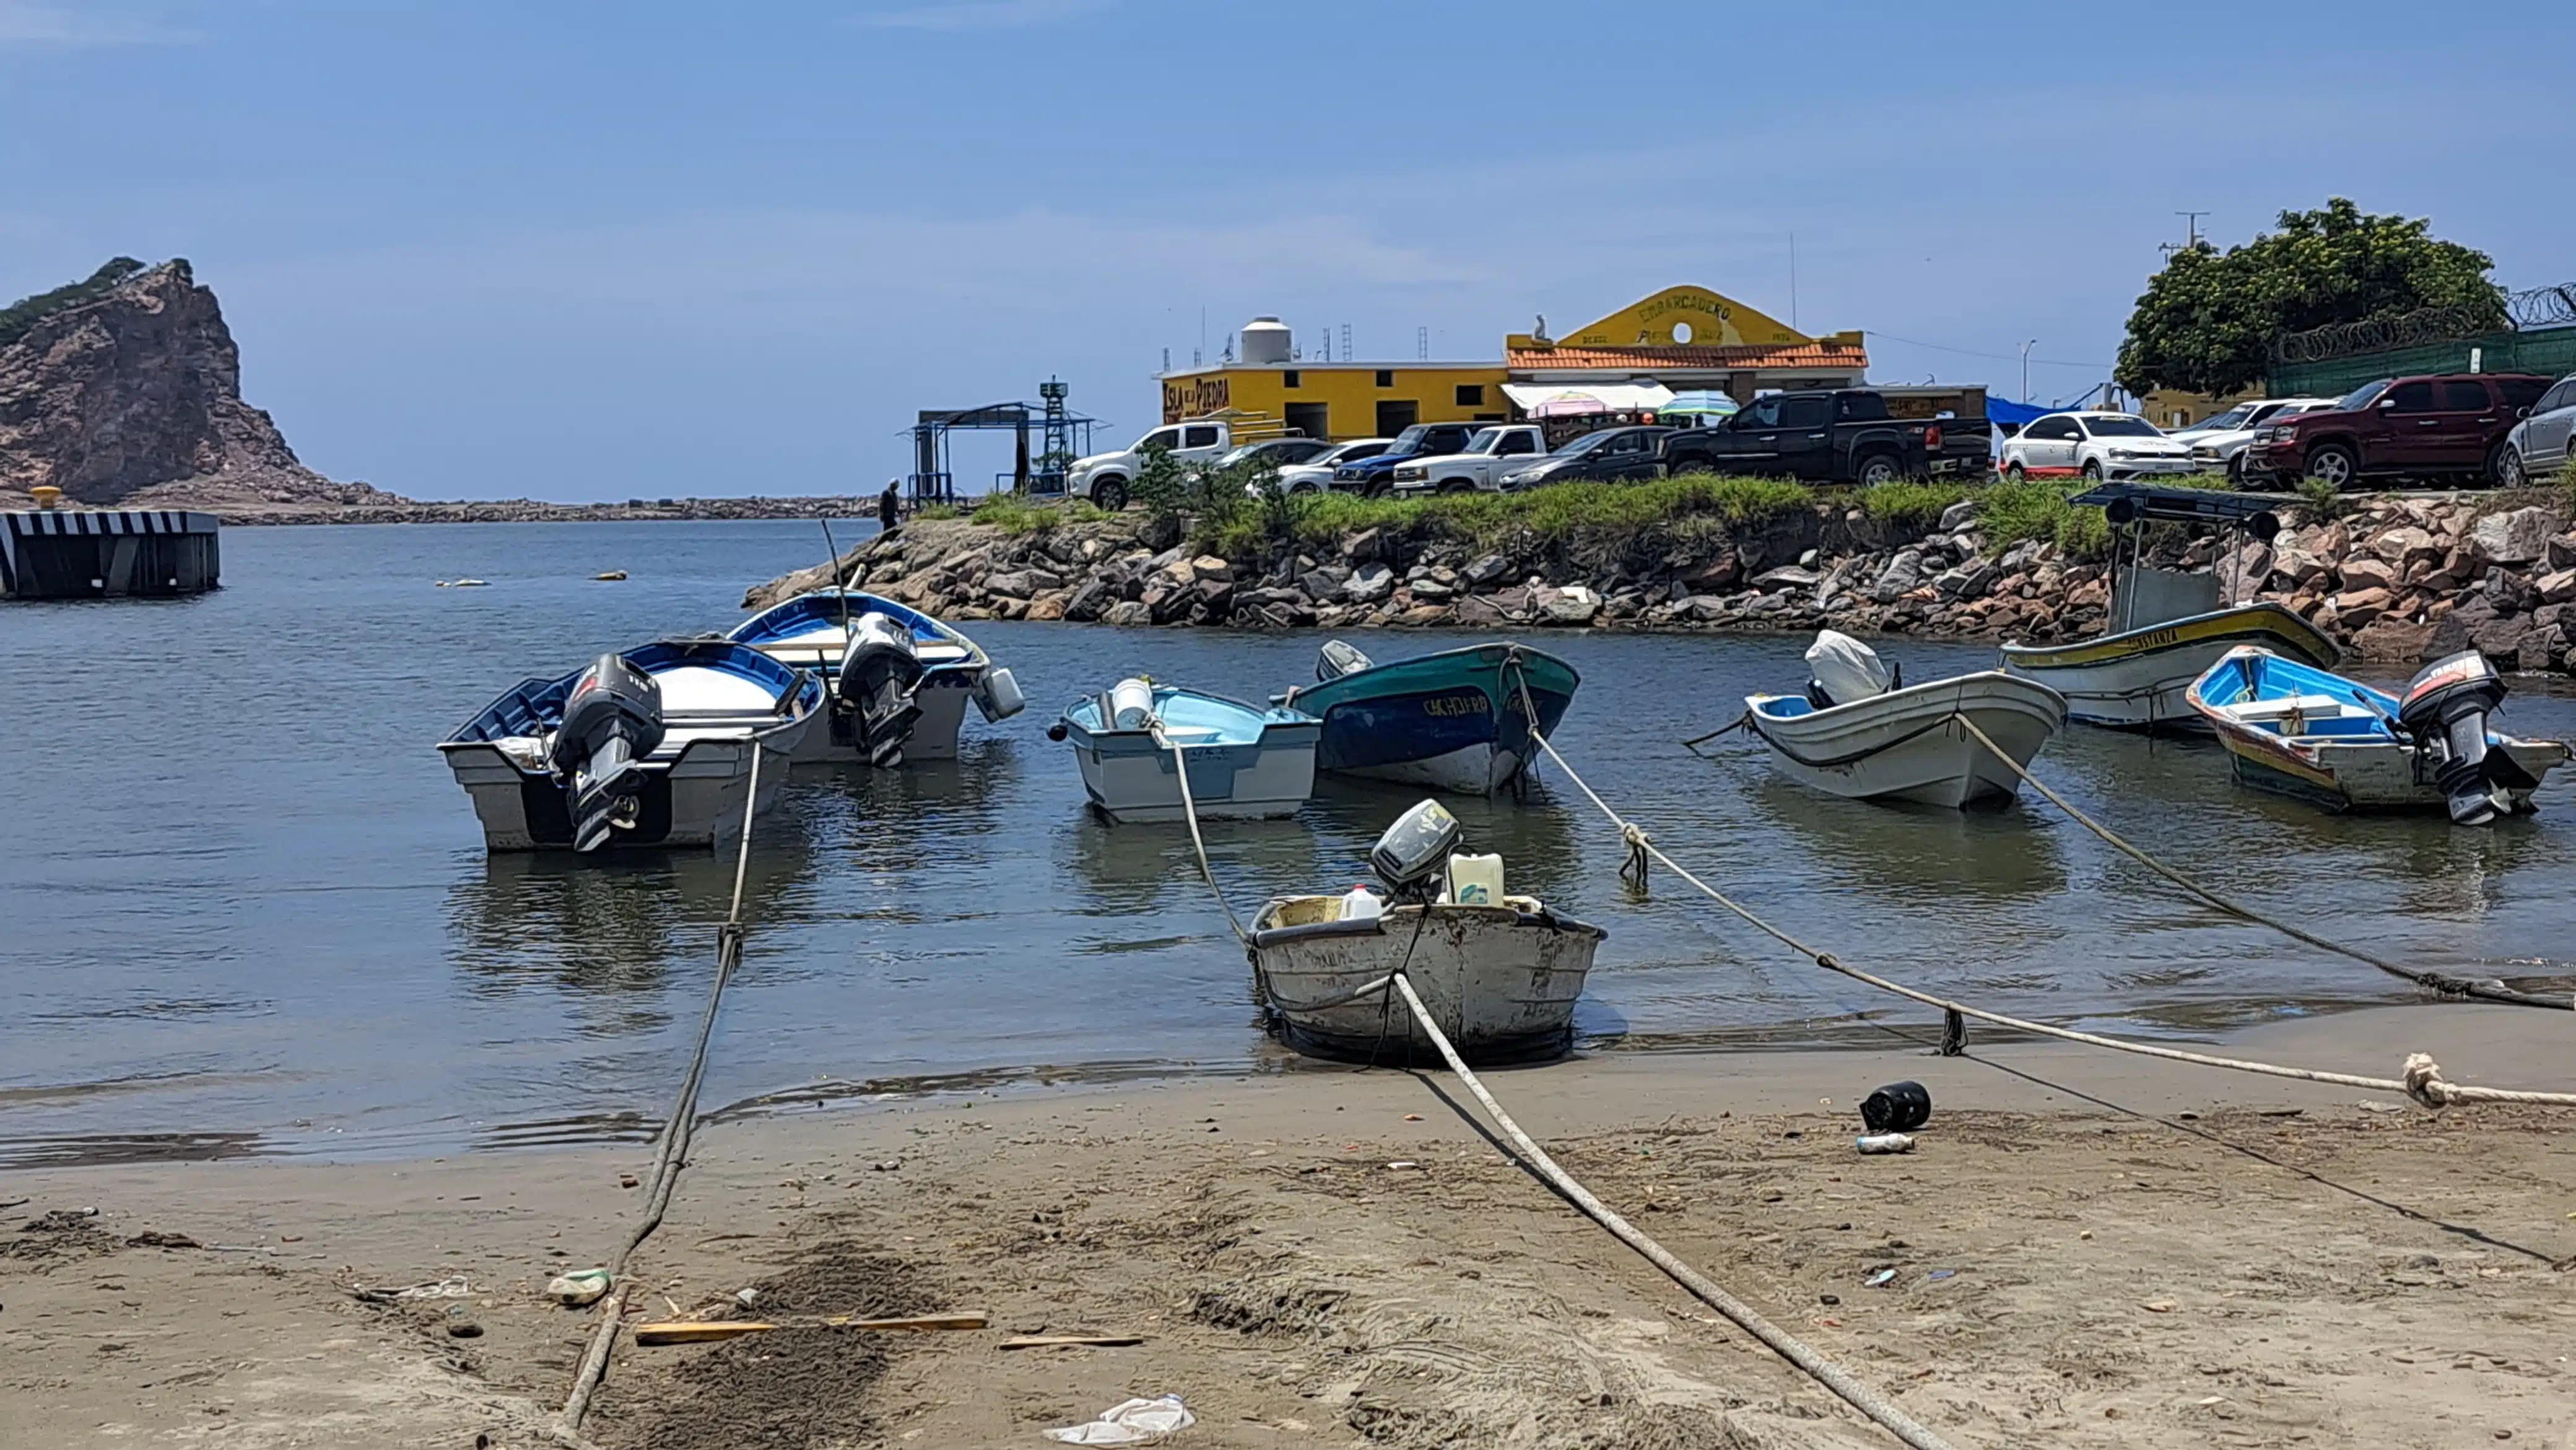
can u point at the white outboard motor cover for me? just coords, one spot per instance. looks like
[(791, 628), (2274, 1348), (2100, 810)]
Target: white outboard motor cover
[(1337, 659), (1844, 668)]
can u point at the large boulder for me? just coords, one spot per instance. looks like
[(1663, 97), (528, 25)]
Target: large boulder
[(1369, 583), (1128, 612), (2518, 536)]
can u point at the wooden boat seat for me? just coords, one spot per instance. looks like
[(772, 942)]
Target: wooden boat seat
[(2272, 712)]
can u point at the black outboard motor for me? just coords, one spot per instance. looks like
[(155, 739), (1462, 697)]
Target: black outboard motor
[(611, 721), (1410, 856), (2446, 709), (872, 705)]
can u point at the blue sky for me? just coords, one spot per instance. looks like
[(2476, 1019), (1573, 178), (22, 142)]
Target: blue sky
[(594, 251)]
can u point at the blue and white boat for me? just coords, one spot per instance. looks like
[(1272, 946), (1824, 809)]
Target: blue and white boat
[(907, 698), (650, 748), (1243, 761), (1453, 721), (2296, 730)]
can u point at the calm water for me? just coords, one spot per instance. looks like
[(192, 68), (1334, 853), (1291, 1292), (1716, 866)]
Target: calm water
[(247, 909)]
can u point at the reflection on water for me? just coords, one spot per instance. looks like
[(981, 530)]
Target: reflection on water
[(339, 967)]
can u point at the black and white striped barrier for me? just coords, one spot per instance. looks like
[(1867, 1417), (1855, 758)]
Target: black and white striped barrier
[(100, 553)]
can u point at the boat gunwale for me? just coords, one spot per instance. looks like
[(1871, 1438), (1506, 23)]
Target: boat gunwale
[(1265, 936), (2191, 630)]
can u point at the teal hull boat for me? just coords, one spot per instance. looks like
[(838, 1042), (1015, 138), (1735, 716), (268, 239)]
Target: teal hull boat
[(1453, 721)]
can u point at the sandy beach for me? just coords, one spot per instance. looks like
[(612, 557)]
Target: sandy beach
[(2089, 1250)]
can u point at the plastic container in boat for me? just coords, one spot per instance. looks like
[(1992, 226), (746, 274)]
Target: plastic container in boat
[(1476, 880), (1362, 904), (1131, 704), (998, 698)]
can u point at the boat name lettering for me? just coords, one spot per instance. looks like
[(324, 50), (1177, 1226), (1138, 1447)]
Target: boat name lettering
[(1457, 705)]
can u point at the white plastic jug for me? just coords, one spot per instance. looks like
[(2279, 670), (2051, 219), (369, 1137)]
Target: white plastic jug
[(1362, 904), (1131, 703), (1476, 880)]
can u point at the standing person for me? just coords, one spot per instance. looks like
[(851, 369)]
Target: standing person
[(889, 510)]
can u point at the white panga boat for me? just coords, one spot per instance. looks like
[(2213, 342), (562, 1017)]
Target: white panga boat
[(1500, 974), (2296, 730), (650, 748), (2167, 627), (1859, 733), (906, 697), (1244, 761)]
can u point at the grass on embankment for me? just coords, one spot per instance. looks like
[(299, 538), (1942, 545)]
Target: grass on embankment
[(2008, 513)]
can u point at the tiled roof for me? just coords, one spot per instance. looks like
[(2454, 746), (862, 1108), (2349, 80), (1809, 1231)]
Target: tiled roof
[(1696, 359)]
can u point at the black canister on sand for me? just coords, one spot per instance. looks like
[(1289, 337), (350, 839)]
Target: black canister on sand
[(1899, 1107)]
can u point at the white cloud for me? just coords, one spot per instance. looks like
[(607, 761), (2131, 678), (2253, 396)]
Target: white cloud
[(973, 15), (40, 24)]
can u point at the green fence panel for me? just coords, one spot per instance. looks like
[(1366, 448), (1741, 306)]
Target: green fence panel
[(2551, 352)]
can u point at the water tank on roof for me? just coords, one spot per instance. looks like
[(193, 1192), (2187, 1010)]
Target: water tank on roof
[(1265, 340)]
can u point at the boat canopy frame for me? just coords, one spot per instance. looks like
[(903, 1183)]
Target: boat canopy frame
[(2131, 506)]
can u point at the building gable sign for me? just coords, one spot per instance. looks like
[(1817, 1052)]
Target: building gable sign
[(1196, 397), (1676, 317)]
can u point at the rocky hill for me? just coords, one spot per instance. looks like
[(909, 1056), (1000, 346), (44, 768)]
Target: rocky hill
[(125, 390)]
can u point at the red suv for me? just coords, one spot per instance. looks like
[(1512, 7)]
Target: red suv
[(2450, 426)]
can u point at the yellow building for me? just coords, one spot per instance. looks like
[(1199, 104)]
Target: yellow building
[(1679, 339)]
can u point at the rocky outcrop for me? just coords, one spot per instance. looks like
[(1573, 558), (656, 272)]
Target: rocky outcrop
[(2399, 581), (127, 391)]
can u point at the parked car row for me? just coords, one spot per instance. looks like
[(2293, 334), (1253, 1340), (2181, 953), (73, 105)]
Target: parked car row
[(2502, 428)]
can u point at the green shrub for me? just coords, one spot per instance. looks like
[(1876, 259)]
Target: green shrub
[(2040, 509), (1014, 514), (22, 316), (1913, 500)]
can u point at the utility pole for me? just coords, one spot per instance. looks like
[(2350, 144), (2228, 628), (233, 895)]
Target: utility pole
[(1793, 281), (2025, 368), (2191, 235)]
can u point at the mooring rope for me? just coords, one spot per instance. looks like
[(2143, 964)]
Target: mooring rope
[(677, 1129), (2421, 1080), (1788, 1346), (2430, 981), (1832, 1376)]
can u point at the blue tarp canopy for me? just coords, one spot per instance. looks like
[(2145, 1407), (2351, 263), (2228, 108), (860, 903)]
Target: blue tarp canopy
[(2006, 414)]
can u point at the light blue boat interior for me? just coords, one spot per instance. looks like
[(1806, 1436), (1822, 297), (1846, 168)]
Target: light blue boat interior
[(2362, 713), (1192, 718)]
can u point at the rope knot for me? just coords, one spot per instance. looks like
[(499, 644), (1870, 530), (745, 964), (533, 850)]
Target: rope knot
[(2424, 1081), (1634, 872)]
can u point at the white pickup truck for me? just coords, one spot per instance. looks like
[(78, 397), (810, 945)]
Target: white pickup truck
[(1479, 467), (1104, 478)]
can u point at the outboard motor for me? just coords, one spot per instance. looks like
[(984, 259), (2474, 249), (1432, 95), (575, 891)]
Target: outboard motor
[(1411, 857), (611, 721), (2446, 710), (872, 705), (1337, 659)]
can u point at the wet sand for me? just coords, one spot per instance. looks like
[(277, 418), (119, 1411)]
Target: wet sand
[(2090, 1250)]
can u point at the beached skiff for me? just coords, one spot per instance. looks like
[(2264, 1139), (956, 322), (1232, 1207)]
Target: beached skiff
[(1500, 980)]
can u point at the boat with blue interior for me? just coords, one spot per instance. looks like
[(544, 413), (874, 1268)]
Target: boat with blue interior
[(1243, 761), (2166, 626), (898, 681), (1458, 720), (2297, 730), (653, 747)]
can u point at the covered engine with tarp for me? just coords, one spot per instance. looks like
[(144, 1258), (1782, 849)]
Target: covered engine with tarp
[(2445, 709), (612, 719), (1842, 670), (872, 704)]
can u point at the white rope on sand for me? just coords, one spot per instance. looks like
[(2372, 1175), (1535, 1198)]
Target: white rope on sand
[(1788, 1346), (2422, 1077), (677, 1129)]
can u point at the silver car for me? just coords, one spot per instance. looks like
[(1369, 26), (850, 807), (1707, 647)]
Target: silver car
[(2538, 446)]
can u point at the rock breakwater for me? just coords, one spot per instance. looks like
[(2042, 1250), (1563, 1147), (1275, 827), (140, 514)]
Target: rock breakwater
[(2397, 579)]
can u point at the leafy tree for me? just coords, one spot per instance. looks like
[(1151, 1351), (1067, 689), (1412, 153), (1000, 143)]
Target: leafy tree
[(2206, 322)]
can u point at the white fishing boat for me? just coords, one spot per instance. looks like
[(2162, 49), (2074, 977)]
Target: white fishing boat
[(2167, 627), (1243, 761), (2299, 731), (1499, 974), (906, 697), (651, 748), (1859, 733)]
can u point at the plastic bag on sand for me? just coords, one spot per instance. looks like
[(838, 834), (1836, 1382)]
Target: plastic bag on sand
[(1132, 1423), (1847, 669)]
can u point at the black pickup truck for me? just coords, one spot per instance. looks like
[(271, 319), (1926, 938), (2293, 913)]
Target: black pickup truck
[(1839, 436)]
